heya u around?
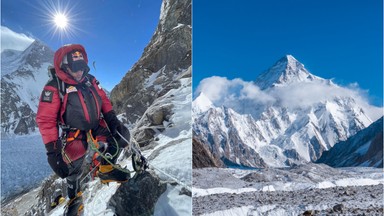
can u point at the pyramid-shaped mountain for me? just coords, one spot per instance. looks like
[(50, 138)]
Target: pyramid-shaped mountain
[(285, 71), (282, 134)]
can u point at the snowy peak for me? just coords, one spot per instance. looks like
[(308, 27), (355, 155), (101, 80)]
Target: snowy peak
[(34, 55), (23, 77), (285, 71), (201, 104), (37, 53)]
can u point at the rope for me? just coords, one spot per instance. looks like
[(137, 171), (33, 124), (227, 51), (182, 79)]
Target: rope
[(93, 147), (161, 171)]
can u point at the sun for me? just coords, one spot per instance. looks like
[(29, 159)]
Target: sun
[(61, 21)]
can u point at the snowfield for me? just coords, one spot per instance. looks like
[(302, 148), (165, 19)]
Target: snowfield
[(23, 164), (315, 188)]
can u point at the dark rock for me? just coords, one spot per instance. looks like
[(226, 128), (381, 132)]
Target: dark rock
[(338, 208), (138, 196), (185, 191), (202, 157), (308, 213)]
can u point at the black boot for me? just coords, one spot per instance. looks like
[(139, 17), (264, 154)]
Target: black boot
[(75, 206), (107, 173)]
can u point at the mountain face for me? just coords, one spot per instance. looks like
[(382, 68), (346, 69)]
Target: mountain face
[(24, 75), (363, 149), (285, 71), (279, 135), (167, 55)]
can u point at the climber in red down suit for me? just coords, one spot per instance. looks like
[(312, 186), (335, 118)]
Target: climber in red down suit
[(74, 101)]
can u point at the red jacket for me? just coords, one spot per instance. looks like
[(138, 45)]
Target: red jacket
[(48, 113)]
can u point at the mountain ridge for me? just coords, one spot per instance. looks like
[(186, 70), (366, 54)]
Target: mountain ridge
[(22, 83)]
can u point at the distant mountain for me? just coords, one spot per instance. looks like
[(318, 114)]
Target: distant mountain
[(363, 149), (23, 76), (285, 71), (280, 133)]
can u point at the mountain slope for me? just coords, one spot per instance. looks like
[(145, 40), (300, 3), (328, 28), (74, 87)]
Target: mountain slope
[(296, 126), (167, 55), (363, 149), (25, 74)]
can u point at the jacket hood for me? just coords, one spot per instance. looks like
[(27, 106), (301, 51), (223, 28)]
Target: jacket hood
[(59, 54)]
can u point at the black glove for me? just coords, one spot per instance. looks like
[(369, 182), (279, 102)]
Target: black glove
[(55, 159), (112, 121)]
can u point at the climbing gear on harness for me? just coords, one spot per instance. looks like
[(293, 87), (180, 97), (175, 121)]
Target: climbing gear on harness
[(107, 157), (139, 162)]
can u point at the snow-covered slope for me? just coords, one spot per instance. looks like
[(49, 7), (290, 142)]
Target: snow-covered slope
[(304, 116), (363, 149), (23, 76)]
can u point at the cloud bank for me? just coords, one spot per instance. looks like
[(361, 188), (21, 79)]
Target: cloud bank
[(13, 40), (247, 98)]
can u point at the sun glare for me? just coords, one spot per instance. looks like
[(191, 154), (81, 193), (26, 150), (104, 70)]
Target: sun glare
[(61, 21), (60, 18)]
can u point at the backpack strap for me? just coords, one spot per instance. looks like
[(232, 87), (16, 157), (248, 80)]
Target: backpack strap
[(60, 83), (62, 91)]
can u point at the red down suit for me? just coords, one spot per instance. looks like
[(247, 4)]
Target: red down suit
[(80, 107)]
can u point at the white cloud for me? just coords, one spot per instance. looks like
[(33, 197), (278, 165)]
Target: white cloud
[(240, 95), (13, 40), (246, 97), (308, 94)]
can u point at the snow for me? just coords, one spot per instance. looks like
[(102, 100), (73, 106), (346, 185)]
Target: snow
[(23, 164), (243, 210), (201, 104), (10, 61), (363, 148), (178, 26), (29, 92), (219, 190), (152, 78)]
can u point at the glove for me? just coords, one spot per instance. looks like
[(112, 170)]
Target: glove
[(55, 159), (112, 122)]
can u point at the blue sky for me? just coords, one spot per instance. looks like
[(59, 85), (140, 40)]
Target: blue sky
[(340, 39), (114, 33)]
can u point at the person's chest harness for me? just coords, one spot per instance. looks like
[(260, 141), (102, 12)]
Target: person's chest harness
[(80, 110)]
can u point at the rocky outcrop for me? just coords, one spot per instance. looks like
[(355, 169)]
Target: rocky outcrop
[(202, 157), (138, 196), (50, 189), (167, 55)]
